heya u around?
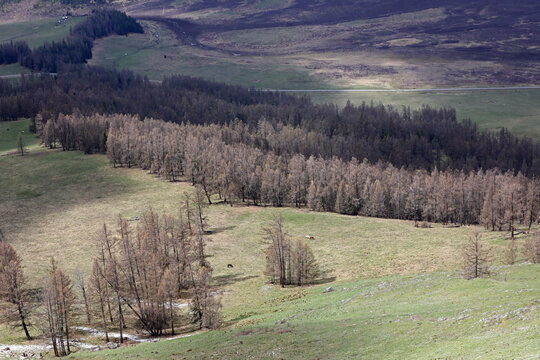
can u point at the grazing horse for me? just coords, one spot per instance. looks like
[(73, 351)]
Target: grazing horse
[(230, 265)]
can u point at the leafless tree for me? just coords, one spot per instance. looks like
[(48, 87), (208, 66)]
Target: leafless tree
[(476, 257), (288, 262), (205, 306), (13, 288), (21, 148), (305, 267), (511, 251), (278, 253), (59, 300), (99, 295), (81, 284), (532, 249)]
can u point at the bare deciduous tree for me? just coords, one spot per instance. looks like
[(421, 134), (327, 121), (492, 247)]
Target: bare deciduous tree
[(13, 288), (59, 300), (21, 148), (476, 258), (99, 295), (511, 251), (532, 249), (81, 284), (288, 262), (305, 267), (205, 306)]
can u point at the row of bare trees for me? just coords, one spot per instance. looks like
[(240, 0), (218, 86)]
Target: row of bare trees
[(137, 279), (228, 162)]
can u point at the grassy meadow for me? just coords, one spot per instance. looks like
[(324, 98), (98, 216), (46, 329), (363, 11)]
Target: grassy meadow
[(429, 316), (157, 53), (398, 291), (37, 32), (516, 110)]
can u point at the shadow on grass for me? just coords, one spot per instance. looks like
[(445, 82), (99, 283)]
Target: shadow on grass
[(224, 280), (219, 229), (324, 280)]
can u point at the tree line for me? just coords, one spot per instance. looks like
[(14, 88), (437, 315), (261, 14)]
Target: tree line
[(137, 278), (230, 163), (75, 49), (426, 138)]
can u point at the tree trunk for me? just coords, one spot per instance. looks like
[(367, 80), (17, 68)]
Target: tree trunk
[(23, 323)]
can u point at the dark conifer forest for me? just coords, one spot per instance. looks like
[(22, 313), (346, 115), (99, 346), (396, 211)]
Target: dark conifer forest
[(425, 138)]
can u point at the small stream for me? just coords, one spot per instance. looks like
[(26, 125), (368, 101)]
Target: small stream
[(35, 351)]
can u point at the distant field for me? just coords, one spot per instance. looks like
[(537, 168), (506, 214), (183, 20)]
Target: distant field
[(12, 69), (157, 54), (516, 110), (37, 32)]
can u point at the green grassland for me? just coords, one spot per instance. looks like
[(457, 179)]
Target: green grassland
[(397, 294), (9, 132), (516, 110), (430, 316), (37, 32), (13, 69), (157, 54)]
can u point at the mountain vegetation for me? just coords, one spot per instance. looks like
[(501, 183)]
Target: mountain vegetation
[(378, 190), (415, 139)]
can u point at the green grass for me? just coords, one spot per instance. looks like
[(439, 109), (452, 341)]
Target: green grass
[(12, 69), (516, 110), (156, 59), (269, 4), (37, 32), (429, 316), (9, 132)]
